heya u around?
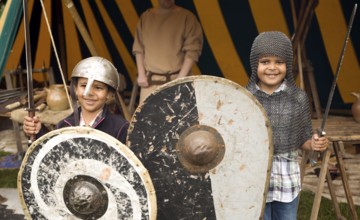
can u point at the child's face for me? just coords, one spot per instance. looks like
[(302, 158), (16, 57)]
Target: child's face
[(95, 100), (271, 72)]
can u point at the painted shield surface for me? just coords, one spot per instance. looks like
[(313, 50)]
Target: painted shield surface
[(83, 173), (207, 144)]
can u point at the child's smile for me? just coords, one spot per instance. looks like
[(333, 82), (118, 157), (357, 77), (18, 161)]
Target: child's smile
[(271, 73)]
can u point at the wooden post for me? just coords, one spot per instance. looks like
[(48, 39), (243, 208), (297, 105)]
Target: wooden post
[(340, 161), (134, 94), (333, 196), (320, 186), (81, 27), (313, 88)]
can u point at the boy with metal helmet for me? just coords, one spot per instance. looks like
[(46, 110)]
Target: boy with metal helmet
[(94, 81), (272, 83)]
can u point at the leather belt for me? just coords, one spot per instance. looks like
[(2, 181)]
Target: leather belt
[(166, 76)]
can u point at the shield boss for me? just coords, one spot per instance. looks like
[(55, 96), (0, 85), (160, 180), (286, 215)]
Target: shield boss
[(200, 148)]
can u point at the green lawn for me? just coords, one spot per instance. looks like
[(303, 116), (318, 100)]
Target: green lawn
[(8, 178), (326, 211)]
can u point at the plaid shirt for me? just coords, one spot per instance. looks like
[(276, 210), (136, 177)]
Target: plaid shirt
[(285, 183)]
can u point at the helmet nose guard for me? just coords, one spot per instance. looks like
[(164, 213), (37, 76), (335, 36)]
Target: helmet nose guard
[(99, 69)]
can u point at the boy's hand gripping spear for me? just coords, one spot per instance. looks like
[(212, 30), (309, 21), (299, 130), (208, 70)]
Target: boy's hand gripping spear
[(321, 131), (31, 107)]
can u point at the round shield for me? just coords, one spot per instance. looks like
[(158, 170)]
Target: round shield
[(207, 144), (83, 173)]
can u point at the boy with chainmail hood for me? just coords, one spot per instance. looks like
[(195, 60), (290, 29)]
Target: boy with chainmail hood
[(287, 107)]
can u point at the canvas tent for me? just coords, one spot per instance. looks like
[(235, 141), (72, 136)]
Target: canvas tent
[(229, 29)]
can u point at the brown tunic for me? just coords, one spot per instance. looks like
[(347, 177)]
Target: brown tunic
[(166, 38)]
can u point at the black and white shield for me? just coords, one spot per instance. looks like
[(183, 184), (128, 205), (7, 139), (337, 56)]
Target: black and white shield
[(207, 144), (83, 173)]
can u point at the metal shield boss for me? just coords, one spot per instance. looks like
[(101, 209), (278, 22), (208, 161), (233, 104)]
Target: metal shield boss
[(83, 173), (207, 144)]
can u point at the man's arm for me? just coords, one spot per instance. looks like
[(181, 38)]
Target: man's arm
[(142, 79), (186, 67)]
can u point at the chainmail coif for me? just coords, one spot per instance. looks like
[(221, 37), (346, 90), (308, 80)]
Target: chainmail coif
[(288, 110)]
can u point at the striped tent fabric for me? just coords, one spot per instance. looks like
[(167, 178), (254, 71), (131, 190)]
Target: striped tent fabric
[(229, 30)]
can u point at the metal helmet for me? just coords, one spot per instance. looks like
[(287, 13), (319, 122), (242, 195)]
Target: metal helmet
[(99, 69)]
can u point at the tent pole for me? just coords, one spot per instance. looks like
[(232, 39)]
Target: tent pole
[(81, 27)]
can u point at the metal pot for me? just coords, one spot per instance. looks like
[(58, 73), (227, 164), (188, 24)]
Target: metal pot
[(56, 97)]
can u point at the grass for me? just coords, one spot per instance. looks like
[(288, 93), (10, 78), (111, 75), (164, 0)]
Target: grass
[(8, 178), (326, 210), (3, 153)]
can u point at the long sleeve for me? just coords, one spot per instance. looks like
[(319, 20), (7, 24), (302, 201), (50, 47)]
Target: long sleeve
[(194, 38)]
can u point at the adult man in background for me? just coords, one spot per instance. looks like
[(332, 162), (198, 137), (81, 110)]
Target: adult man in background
[(168, 41)]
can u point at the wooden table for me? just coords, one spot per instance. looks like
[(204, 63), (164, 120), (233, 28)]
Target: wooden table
[(338, 130), (47, 116)]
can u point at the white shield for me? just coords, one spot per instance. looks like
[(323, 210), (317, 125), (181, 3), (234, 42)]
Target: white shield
[(233, 187)]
